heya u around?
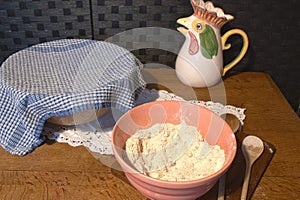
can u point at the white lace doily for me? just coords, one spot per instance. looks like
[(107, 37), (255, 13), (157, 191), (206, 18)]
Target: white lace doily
[(96, 135)]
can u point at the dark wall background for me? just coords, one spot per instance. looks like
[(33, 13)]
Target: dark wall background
[(272, 28)]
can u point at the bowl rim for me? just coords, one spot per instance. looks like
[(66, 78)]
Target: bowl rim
[(151, 180)]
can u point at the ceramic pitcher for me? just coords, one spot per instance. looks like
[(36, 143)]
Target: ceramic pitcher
[(200, 60)]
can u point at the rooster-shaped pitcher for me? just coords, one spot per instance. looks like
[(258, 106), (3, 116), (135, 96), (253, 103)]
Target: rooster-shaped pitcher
[(200, 59)]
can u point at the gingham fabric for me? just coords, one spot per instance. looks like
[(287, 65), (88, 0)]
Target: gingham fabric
[(60, 78)]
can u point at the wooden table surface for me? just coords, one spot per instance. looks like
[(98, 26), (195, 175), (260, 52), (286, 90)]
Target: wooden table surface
[(59, 171)]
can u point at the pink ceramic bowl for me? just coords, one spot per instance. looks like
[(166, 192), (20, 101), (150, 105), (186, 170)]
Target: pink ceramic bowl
[(173, 112)]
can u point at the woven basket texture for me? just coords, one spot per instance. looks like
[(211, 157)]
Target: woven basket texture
[(25, 23)]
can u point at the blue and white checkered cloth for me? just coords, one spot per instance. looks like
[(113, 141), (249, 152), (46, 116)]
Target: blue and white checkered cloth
[(60, 78)]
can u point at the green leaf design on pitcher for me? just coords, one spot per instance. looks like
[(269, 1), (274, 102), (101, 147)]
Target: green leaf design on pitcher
[(208, 42)]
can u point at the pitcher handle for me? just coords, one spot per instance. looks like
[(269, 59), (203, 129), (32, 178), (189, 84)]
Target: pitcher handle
[(227, 46)]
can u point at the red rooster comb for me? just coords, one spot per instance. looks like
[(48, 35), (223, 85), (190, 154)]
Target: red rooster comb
[(212, 15)]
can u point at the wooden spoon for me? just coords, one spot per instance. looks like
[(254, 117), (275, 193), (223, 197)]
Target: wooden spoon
[(232, 121), (235, 125), (252, 148)]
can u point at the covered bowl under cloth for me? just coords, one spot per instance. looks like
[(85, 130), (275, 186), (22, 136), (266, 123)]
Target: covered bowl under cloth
[(52, 80)]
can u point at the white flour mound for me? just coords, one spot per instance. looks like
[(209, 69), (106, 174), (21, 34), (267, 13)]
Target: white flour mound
[(171, 152)]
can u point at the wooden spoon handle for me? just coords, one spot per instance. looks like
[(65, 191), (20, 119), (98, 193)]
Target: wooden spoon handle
[(221, 189), (246, 182)]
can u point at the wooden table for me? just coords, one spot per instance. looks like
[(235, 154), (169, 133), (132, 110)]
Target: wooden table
[(59, 171)]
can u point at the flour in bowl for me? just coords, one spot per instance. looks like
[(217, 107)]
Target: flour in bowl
[(171, 152)]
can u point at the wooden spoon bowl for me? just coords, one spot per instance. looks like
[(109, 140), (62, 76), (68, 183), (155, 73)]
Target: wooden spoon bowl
[(232, 121)]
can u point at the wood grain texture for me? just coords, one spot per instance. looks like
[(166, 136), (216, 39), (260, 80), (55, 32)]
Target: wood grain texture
[(63, 185), (59, 171), (277, 188)]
